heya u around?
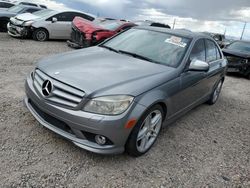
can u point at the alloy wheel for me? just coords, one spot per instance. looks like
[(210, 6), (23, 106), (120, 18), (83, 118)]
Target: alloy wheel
[(149, 131)]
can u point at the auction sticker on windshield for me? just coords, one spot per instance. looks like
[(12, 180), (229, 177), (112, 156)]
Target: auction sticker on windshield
[(176, 41)]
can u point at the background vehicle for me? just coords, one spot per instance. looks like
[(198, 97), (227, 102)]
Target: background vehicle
[(219, 38), (151, 23), (5, 5), (85, 33), (238, 56), (116, 96), (5, 15), (46, 24)]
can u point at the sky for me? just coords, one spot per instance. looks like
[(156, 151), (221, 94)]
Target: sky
[(218, 16)]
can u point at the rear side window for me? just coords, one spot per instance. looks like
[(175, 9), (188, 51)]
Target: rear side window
[(198, 51), (211, 51)]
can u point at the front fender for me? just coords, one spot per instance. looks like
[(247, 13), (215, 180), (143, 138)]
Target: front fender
[(153, 97)]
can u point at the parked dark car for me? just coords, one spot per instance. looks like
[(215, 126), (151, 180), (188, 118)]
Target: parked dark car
[(238, 56), (151, 23), (5, 15), (86, 33), (116, 96)]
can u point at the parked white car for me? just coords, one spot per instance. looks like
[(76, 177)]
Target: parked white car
[(45, 24)]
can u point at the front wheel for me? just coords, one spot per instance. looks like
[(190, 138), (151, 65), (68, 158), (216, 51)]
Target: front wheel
[(216, 93), (145, 132), (41, 35)]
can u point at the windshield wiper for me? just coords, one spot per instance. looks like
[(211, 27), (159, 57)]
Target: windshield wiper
[(109, 48), (138, 56)]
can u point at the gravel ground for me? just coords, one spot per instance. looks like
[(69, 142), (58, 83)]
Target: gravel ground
[(209, 147)]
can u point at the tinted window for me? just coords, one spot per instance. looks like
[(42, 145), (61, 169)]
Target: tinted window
[(85, 16), (240, 46), (67, 16), (199, 51), (5, 5), (30, 10), (62, 17), (29, 4), (166, 49), (211, 51)]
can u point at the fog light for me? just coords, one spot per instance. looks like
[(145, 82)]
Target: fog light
[(101, 140)]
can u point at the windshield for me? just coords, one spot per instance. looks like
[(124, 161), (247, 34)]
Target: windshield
[(162, 48), (110, 25), (43, 13), (16, 9), (240, 46)]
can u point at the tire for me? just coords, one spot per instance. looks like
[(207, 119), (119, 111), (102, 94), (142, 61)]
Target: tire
[(216, 93), (41, 35), (142, 138)]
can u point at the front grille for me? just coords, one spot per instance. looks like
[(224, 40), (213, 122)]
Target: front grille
[(51, 120), (235, 60), (61, 93)]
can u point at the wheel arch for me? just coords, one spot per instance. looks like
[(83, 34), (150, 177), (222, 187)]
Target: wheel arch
[(36, 28)]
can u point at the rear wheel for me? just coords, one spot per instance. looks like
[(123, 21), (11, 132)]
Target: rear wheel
[(145, 132), (41, 35), (216, 93)]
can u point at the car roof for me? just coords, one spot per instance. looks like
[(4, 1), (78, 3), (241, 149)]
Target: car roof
[(181, 32)]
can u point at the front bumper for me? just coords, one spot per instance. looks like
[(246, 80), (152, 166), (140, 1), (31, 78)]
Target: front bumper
[(17, 31), (242, 68), (79, 124)]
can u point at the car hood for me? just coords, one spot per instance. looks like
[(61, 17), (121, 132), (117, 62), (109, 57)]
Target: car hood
[(86, 26), (26, 17), (98, 71), (228, 52)]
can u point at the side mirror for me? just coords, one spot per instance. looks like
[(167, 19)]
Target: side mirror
[(54, 20), (198, 65)]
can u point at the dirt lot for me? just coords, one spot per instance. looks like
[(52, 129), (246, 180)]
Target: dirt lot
[(209, 147)]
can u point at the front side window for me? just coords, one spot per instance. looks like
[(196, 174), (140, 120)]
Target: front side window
[(160, 47), (211, 51), (198, 51)]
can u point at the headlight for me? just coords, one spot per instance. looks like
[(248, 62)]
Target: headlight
[(28, 23), (109, 105)]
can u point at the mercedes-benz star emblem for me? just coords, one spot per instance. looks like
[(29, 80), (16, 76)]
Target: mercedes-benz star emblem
[(47, 88)]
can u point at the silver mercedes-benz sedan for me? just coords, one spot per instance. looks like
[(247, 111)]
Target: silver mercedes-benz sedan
[(116, 97)]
